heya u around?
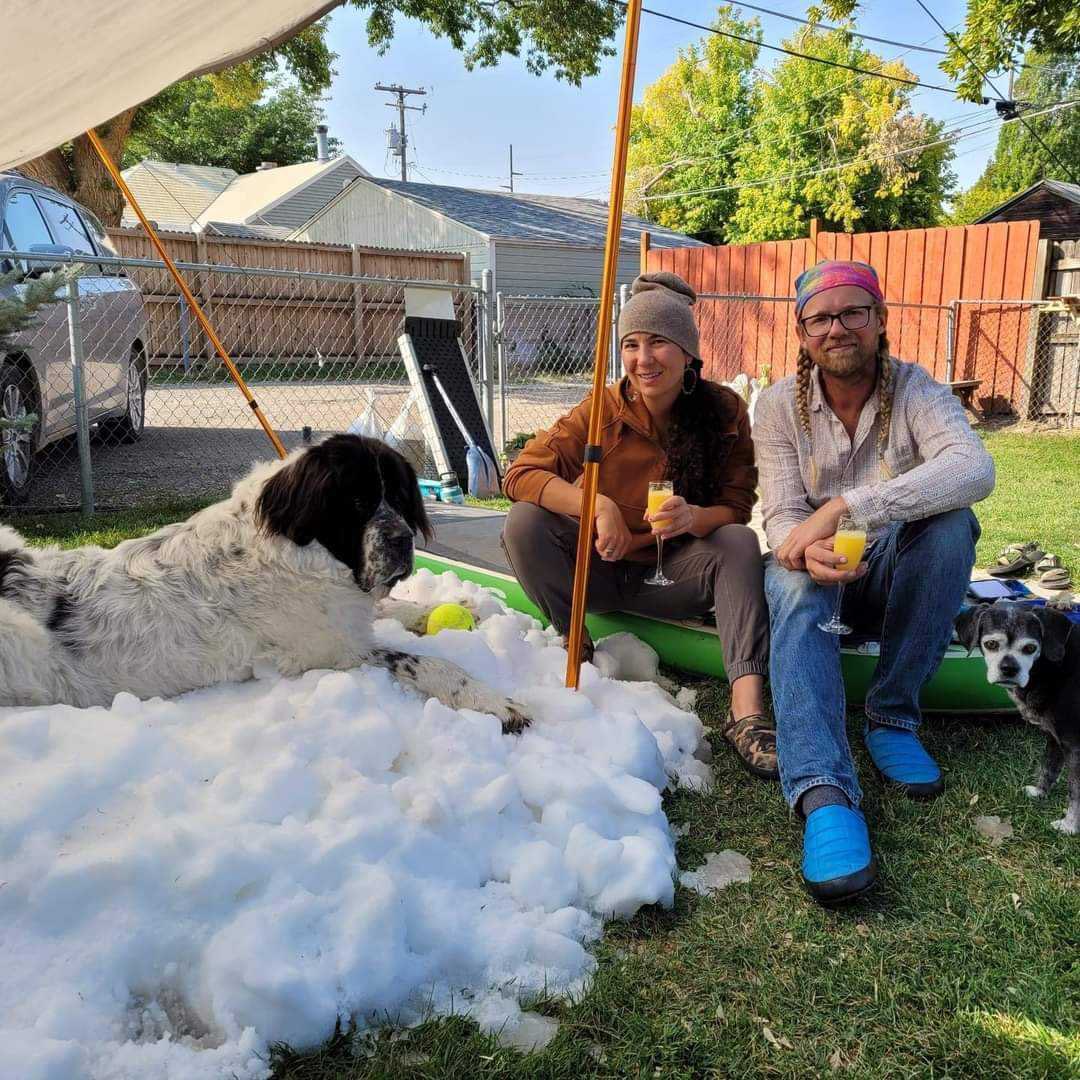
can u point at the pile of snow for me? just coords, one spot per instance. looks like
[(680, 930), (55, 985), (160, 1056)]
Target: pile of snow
[(183, 881)]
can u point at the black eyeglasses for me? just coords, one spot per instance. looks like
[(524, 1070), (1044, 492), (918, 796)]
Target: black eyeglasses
[(853, 318)]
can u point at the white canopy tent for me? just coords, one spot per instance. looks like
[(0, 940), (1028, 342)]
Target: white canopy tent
[(70, 66)]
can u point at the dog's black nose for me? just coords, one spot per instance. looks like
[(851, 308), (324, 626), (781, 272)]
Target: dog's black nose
[(1009, 667)]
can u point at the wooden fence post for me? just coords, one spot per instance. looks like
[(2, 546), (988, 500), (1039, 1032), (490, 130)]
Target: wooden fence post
[(643, 267), (815, 226), (203, 291), (1035, 367), (358, 305)]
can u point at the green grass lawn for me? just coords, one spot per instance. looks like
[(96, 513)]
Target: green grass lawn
[(965, 963)]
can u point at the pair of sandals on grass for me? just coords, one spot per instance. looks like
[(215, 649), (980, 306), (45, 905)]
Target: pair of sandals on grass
[(1016, 560)]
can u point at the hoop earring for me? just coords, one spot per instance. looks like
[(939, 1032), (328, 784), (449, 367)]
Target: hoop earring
[(689, 388)]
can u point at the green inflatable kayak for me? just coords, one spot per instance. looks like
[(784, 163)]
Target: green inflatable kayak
[(959, 686)]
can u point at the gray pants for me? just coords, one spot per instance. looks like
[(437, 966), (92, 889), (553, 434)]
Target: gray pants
[(722, 570)]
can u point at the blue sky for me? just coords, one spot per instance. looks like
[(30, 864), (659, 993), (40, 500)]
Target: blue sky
[(562, 135)]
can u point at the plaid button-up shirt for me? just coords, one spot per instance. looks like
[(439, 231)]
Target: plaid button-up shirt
[(935, 461)]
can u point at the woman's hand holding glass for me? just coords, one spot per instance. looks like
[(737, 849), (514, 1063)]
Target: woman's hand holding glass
[(675, 517)]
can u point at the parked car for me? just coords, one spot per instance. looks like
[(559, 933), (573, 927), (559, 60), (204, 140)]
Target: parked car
[(37, 396)]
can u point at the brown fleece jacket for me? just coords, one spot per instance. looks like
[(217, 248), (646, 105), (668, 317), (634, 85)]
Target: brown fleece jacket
[(632, 456)]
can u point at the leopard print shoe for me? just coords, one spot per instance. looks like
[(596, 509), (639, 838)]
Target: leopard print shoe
[(753, 738)]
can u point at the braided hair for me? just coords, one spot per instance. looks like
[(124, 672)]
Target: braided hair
[(803, 370), (698, 439)]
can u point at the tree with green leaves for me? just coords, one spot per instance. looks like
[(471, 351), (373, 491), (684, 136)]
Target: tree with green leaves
[(995, 33), (191, 123), (841, 147), (758, 154), (569, 37), (686, 133), (1020, 159)]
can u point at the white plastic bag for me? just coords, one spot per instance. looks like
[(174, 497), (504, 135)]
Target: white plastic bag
[(367, 423), (395, 433)]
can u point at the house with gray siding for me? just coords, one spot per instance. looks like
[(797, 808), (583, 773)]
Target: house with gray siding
[(548, 245), (270, 202)]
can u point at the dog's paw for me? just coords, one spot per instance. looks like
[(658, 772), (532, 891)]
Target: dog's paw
[(515, 720), (1068, 825), (1033, 792)]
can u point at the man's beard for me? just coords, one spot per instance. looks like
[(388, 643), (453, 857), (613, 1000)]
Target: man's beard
[(847, 361)]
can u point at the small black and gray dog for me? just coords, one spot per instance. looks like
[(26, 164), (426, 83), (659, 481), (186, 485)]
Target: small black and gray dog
[(1034, 653)]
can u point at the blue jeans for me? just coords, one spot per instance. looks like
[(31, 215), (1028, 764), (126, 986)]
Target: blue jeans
[(918, 575)]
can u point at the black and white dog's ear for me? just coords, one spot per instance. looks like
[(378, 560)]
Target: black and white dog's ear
[(1056, 628), (399, 474), (968, 625), (295, 500)]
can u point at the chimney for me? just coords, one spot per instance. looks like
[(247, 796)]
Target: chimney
[(323, 142), (264, 166)]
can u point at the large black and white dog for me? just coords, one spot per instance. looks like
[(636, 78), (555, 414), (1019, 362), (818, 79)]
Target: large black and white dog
[(286, 572), (1034, 653)]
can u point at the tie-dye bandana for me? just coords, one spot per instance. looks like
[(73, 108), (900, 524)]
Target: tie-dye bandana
[(832, 273)]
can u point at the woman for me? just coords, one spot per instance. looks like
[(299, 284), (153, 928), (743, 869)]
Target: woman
[(661, 421)]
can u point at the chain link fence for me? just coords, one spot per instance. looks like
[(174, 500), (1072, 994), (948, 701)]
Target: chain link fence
[(163, 420), (113, 395), (546, 348)]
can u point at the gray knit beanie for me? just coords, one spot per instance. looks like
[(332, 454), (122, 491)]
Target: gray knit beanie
[(660, 304)]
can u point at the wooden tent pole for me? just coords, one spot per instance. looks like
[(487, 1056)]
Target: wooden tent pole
[(590, 476), (189, 296)]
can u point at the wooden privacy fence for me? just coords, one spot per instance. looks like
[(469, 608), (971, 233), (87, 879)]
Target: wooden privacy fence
[(275, 316), (747, 316)]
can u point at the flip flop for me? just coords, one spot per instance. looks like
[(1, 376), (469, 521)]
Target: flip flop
[(1016, 559), (1048, 562), (1055, 578)]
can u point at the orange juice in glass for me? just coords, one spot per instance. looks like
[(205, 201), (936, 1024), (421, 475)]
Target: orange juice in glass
[(659, 493), (849, 541)]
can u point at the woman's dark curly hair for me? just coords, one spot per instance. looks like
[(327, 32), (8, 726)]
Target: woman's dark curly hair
[(699, 439)]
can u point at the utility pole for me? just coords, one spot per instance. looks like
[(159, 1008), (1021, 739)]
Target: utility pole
[(512, 173), (402, 92)]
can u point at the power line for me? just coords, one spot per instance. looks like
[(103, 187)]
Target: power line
[(819, 171), (791, 52), (826, 26), (948, 125), (986, 78), (741, 134), (852, 33)]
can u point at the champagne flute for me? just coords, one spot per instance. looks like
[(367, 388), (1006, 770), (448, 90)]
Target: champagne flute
[(659, 493), (850, 541)]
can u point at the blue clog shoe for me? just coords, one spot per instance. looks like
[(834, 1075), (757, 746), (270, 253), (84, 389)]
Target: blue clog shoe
[(838, 864), (901, 760)]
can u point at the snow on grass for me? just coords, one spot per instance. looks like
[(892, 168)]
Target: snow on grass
[(184, 881)]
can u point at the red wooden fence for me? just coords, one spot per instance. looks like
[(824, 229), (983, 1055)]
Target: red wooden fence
[(921, 271)]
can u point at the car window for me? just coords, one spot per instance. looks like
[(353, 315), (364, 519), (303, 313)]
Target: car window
[(67, 227), (23, 222), (97, 231), (6, 244)]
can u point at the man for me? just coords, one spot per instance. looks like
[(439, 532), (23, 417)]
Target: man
[(857, 432)]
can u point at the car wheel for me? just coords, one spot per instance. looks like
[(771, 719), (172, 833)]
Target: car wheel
[(20, 425), (129, 427)]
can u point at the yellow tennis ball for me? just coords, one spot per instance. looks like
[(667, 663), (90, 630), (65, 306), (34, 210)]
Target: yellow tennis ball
[(449, 617)]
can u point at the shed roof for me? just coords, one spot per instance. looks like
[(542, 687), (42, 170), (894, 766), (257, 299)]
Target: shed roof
[(182, 196), (173, 194), (1069, 192)]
